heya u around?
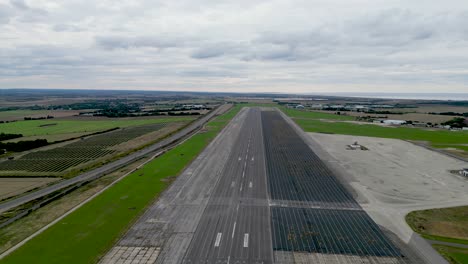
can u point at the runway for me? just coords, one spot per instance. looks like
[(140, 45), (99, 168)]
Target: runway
[(235, 226), (257, 194)]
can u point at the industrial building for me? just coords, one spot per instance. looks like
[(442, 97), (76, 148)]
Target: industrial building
[(464, 172)]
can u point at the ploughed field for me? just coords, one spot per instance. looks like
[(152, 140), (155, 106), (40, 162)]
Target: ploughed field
[(59, 159)]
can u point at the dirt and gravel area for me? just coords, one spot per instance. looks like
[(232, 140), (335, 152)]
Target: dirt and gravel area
[(395, 177), (10, 187)]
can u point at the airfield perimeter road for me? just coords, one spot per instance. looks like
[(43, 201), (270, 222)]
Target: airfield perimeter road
[(256, 194), (98, 172)]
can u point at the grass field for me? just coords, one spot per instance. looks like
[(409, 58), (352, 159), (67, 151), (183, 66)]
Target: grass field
[(14, 233), (313, 115), (86, 234), (452, 254), (54, 127), (438, 137), (21, 113), (446, 224), (462, 147)]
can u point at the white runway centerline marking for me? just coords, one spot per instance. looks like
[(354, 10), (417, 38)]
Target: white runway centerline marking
[(246, 240), (250, 184), (233, 183), (233, 229), (218, 239), (240, 158), (253, 159)]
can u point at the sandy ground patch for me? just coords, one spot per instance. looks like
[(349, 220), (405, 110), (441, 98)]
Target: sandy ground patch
[(13, 186), (395, 177)]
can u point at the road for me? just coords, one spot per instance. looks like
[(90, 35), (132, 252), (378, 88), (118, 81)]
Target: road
[(256, 194), (107, 168)]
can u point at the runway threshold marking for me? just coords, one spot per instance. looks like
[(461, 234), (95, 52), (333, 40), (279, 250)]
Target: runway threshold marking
[(233, 183), (250, 184), (233, 230), (246, 240), (218, 239)]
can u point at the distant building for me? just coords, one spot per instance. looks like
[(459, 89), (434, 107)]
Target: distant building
[(464, 172), (336, 106), (319, 106), (419, 124), (299, 107), (465, 128), (394, 122)]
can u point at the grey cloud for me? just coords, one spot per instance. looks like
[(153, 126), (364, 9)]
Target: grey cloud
[(212, 50), (206, 53), (251, 43), (119, 42), (6, 13), (28, 14), (67, 28), (20, 4), (210, 73)]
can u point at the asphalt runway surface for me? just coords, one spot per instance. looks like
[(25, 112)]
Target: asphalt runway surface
[(256, 194), (235, 225)]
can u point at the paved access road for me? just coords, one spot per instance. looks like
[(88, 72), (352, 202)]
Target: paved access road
[(256, 194), (93, 174)]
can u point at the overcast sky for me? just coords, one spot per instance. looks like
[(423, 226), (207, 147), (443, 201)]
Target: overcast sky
[(244, 45)]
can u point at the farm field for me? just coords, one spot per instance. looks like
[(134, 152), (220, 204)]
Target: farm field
[(52, 138), (94, 227), (20, 114), (313, 114), (421, 117), (28, 225), (54, 127), (10, 187), (52, 162)]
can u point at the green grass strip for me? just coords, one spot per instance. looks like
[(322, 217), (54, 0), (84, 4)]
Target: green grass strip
[(445, 239), (86, 234), (453, 255)]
